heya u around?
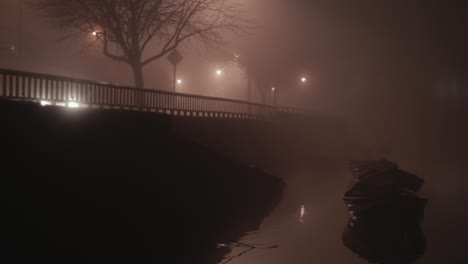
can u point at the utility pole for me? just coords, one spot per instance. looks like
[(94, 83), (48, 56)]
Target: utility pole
[(175, 58), (19, 37), (249, 89), (274, 90)]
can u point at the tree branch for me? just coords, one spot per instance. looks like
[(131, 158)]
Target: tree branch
[(128, 27)]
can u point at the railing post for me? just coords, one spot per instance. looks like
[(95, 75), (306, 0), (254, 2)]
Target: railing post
[(23, 88), (17, 86), (61, 91), (30, 91), (10, 79), (4, 84), (47, 89), (78, 92)]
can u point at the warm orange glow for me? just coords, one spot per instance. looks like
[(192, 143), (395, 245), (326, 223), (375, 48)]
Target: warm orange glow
[(219, 72), (179, 81), (303, 79)]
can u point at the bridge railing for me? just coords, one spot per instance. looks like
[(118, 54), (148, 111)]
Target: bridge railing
[(56, 89)]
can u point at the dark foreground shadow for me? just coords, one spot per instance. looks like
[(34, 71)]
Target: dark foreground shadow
[(386, 214), (100, 186), (388, 237)]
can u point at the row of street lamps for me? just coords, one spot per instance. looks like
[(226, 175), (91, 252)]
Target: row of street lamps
[(219, 72)]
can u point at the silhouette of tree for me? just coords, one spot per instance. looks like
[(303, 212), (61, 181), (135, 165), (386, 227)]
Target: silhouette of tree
[(126, 28)]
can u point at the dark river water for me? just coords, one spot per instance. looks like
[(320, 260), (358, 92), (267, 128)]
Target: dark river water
[(308, 224)]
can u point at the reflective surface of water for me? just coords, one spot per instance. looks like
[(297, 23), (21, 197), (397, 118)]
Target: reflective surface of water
[(309, 223)]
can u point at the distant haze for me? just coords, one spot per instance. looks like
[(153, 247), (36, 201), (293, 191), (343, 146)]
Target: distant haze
[(356, 56)]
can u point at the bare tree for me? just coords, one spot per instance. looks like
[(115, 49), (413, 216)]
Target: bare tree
[(125, 28)]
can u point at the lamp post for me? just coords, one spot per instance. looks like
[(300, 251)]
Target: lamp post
[(243, 64), (273, 95)]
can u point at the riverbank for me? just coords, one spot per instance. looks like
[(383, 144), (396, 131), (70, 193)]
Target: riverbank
[(102, 186)]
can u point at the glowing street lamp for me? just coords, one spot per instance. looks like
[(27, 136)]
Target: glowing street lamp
[(179, 81), (303, 79), (302, 214), (94, 33), (219, 72), (273, 95)]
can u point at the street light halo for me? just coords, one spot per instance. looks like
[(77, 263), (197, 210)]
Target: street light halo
[(46, 103), (73, 105)]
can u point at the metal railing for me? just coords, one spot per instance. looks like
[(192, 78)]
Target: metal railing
[(28, 86)]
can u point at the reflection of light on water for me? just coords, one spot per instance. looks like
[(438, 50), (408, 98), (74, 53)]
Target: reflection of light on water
[(302, 214)]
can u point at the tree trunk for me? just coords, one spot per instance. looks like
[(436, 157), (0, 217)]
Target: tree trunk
[(138, 75), (139, 84)]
